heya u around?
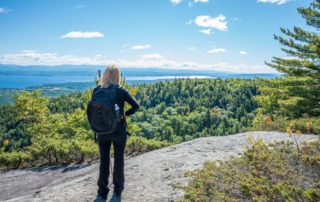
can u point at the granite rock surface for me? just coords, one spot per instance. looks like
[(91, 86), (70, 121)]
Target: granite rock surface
[(148, 176)]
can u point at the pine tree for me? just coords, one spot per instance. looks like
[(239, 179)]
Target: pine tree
[(298, 91), (208, 119)]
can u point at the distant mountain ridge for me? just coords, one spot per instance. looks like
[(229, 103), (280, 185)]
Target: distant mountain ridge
[(90, 70)]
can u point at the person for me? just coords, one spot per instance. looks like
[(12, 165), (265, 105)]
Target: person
[(111, 77)]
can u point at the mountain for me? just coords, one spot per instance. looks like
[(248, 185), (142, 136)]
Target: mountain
[(90, 70)]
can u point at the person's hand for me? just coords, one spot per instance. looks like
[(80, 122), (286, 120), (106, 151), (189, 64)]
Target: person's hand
[(124, 117)]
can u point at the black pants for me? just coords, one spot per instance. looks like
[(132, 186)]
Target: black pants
[(119, 139)]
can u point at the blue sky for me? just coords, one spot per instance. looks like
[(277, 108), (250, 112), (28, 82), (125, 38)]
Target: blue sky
[(223, 35)]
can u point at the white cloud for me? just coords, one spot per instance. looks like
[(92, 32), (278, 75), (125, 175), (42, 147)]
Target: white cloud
[(293, 58), (121, 50), (201, 0), (243, 53), (80, 6), (4, 10), (237, 19), (152, 56), (193, 49), (219, 50), (207, 21), (167, 52), (190, 4), (140, 47), (206, 31), (189, 23), (125, 45), (175, 2), (82, 35), (97, 57), (29, 57), (274, 1)]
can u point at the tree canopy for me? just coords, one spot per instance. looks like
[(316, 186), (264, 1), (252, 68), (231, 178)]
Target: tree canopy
[(298, 91)]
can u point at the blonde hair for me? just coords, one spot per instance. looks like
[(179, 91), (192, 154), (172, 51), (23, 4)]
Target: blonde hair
[(110, 76)]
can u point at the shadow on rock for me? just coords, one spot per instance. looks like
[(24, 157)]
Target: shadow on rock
[(76, 167)]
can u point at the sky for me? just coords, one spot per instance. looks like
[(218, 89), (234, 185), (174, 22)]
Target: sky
[(222, 35)]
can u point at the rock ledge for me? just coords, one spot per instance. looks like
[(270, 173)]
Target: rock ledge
[(148, 176)]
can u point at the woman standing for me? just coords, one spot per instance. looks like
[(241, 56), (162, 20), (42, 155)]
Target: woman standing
[(111, 78)]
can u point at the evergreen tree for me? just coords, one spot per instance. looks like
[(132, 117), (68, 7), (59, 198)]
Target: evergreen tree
[(299, 90)]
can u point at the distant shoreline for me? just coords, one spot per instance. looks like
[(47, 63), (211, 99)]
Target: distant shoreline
[(25, 81)]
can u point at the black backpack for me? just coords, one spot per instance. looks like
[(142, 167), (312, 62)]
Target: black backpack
[(102, 116)]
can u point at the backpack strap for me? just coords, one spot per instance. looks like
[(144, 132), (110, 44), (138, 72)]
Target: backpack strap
[(113, 87)]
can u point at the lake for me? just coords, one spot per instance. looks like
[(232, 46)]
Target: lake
[(22, 81)]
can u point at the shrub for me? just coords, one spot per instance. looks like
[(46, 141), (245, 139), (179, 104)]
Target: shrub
[(50, 151), (61, 151), (280, 125), (139, 145), (259, 174)]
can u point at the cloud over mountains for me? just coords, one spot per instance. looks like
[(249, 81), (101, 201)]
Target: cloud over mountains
[(30, 57)]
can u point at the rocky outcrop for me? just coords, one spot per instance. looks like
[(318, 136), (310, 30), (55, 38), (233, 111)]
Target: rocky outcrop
[(148, 176)]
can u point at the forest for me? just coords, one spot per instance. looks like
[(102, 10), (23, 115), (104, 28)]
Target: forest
[(175, 111), (171, 111), (12, 129), (183, 110), (37, 130)]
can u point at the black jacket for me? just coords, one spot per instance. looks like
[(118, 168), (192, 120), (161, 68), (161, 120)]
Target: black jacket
[(123, 95)]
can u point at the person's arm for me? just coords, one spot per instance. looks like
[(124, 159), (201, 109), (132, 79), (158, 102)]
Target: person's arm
[(132, 101)]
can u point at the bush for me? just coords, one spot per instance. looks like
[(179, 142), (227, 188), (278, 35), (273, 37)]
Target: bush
[(51, 151), (260, 174), (281, 125), (140, 145)]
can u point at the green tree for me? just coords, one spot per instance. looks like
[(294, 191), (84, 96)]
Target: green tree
[(168, 133), (298, 92), (208, 119)]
